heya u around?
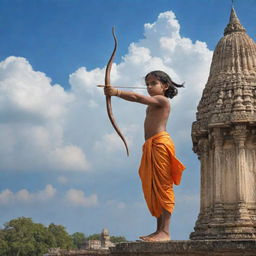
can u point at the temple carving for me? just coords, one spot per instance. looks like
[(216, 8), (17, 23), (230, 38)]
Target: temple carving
[(224, 138)]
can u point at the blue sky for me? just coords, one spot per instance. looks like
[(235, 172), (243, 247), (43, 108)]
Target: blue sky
[(60, 159)]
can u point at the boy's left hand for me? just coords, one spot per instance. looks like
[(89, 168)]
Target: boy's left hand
[(110, 91)]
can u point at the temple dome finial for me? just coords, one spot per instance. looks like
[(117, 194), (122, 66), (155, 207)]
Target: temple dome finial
[(234, 24)]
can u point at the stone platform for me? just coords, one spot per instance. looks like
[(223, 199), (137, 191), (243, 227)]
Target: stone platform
[(187, 248)]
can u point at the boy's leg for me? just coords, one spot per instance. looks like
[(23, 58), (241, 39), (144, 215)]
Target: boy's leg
[(163, 233), (166, 222), (159, 223), (158, 227)]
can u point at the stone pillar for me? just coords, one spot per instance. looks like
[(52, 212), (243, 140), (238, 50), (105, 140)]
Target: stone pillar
[(239, 135), (203, 155), (242, 215), (218, 179), (203, 148)]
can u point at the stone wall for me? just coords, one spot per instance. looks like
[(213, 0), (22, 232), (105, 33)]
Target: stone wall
[(187, 248), (61, 252)]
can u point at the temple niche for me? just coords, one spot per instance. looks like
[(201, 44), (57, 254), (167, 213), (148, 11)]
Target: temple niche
[(224, 138)]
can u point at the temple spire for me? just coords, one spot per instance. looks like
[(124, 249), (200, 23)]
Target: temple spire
[(234, 24)]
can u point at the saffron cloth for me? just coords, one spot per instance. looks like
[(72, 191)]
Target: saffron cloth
[(159, 170)]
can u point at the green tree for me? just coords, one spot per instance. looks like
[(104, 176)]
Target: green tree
[(23, 237), (3, 244), (113, 239), (43, 238), (117, 239), (94, 237), (78, 239), (61, 238), (19, 237)]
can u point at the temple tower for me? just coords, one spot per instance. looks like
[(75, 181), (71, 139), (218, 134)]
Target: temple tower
[(224, 138)]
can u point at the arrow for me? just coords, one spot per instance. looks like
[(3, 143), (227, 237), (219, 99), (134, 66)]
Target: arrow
[(102, 86)]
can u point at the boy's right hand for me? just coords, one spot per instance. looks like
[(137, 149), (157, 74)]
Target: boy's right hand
[(110, 91)]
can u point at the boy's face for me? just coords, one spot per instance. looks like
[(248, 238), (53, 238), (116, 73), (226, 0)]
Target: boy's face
[(154, 86)]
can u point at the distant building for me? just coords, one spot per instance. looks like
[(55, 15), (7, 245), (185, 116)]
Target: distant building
[(92, 245), (105, 239), (103, 243)]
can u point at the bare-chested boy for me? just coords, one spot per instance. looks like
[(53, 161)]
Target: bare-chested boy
[(159, 168)]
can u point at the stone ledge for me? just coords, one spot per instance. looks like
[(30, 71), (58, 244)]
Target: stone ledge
[(187, 248), (77, 252)]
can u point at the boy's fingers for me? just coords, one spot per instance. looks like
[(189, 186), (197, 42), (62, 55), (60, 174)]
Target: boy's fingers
[(110, 91)]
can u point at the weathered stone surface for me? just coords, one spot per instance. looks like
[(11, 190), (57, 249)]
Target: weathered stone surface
[(187, 248), (172, 248), (62, 252), (224, 138)]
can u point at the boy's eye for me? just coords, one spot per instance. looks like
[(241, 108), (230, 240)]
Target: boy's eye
[(151, 83)]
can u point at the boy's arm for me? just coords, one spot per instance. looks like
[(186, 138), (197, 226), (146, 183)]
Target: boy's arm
[(157, 100)]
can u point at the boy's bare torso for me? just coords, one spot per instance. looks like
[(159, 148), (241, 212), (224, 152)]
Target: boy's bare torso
[(156, 119), (158, 106)]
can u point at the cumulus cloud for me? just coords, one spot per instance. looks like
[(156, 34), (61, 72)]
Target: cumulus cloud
[(24, 196), (116, 205), (73, 197), (32, 113), (78, 198), (62, 179), (25, 93)]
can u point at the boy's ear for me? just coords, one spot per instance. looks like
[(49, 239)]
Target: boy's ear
[(165, 86)]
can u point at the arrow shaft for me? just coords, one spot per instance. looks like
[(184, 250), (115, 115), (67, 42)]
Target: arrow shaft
[(102, 86)]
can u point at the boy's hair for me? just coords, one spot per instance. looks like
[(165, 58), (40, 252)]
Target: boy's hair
[(165, 79)]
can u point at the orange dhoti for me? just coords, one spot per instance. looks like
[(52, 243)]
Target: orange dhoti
[(159, 170)]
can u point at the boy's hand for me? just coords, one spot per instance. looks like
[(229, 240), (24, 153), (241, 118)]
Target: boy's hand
[(111, 91)]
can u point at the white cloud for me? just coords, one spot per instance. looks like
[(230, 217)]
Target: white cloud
[(6, 196), (72, 196), (78, 198), (62, 179), (26, 92), (32, 116), (116, 204), (24, 196), (47, 193), (69, 158)]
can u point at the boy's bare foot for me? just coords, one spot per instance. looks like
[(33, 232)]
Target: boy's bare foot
[(158, 237), (145, 237)]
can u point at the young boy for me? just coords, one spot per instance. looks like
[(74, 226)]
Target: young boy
[(159, 168)]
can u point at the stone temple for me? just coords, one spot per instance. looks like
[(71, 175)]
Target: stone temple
[(224, 138)]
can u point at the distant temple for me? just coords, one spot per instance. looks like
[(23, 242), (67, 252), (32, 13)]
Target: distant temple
[(103, 243)]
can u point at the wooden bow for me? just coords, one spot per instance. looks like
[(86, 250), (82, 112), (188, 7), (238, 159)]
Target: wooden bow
[(108, 98)]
